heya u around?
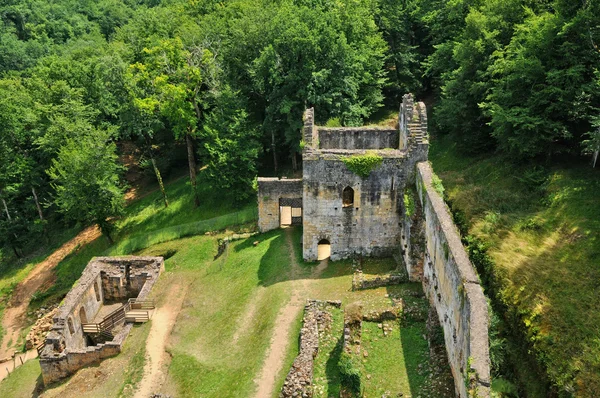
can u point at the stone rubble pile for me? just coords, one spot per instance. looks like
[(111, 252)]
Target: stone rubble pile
[(298, 382), (38, 332)]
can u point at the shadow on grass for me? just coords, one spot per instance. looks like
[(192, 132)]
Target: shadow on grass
[(332, 370), (269, 271)]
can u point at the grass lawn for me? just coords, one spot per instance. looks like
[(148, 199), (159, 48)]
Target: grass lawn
[(542, 229)]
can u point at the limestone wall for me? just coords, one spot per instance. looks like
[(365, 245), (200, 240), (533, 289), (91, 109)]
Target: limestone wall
[(270, 190), (453, 287), (65, 348), (371, 226), (357, 138)]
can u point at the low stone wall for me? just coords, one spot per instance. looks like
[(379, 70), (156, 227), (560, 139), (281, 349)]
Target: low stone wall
[(452, 286), (298, 382), (359, 282), (270, 190)]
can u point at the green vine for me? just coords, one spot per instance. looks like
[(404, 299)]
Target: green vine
[(363, 165)]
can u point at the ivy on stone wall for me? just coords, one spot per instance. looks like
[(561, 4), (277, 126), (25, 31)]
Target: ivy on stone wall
[(363, 165)]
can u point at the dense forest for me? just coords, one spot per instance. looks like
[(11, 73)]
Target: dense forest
[(223, 84)]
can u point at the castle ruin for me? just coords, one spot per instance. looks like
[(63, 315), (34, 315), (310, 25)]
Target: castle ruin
[(389, 209)]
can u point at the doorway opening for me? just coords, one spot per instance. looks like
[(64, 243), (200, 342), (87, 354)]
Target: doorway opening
[(323, 250), (290, 211)]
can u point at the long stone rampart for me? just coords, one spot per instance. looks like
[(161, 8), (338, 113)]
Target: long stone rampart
[(454, 289)]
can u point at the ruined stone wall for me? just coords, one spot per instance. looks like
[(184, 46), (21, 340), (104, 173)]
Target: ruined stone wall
[(357, 138), (82, 296), (453, 288), (372, 225), (270, 190), (65, 348)]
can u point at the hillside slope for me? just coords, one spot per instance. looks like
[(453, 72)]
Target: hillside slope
[(534, 235)]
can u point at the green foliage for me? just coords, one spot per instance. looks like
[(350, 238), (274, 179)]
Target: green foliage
[(231, 147), (333, 122), (350, 369), (409, 203), (86, 180), (437, 185), (363, 165)]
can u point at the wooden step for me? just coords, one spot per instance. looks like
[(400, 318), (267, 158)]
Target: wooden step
[(137, 316)]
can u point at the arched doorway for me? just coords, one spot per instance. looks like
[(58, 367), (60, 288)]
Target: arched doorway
[(82, 316), (323, 249)]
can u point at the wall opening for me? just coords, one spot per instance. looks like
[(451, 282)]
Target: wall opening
[(290, 211), (97, 290), (348, 197), (323, 250), (71, 328), (285, 215), (82, 316)]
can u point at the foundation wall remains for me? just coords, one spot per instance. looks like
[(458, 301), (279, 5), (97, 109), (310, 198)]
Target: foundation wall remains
[(270, 190), (453, 288), (357, 138), (66, 350)]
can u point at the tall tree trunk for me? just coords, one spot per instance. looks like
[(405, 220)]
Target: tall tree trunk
[(192, 167), (37, 204), (596, 153), (156, 170), (6, 210), (294, 161), (160, 181), (274, 151)]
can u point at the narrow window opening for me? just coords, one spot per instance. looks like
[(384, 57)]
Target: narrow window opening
[(71, 328), (348, 197), (97, 291), (82, 316)]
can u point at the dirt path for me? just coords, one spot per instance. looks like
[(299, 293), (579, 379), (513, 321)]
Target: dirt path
[(162, 323), (14, 319), (283, 324)]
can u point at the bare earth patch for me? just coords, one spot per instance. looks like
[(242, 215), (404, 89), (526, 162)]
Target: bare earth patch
[(162, 323), (283, 323), (14, 319)]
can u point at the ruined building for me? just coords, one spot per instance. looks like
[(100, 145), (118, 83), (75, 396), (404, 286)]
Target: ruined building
[(96, 316), (370, 191), (336, 207)]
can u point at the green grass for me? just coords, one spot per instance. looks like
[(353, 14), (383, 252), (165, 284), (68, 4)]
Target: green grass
[(542, 229), (206, 359), (326, 376), (22, 381), (147, 222), (135, 370)]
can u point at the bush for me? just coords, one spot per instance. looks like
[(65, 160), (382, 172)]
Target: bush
[(350, 372), (363, 165)]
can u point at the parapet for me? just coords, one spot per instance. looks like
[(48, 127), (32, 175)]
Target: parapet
[(409, 136)]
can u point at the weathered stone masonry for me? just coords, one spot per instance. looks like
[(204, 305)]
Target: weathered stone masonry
[(371, 225), (377, 223), (104, 279), (453, 287)]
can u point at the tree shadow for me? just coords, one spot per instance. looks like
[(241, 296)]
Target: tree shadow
[(332, 369)]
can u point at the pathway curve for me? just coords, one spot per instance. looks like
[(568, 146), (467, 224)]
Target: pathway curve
[(162, 324), (299, 290), (14, 318)]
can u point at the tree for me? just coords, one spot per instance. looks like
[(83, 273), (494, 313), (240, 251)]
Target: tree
[(85, 177), (231, 146), (182, 79)]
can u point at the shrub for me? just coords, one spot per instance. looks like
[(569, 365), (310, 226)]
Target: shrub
[(350, 372), (363, 165), (409, 203)]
